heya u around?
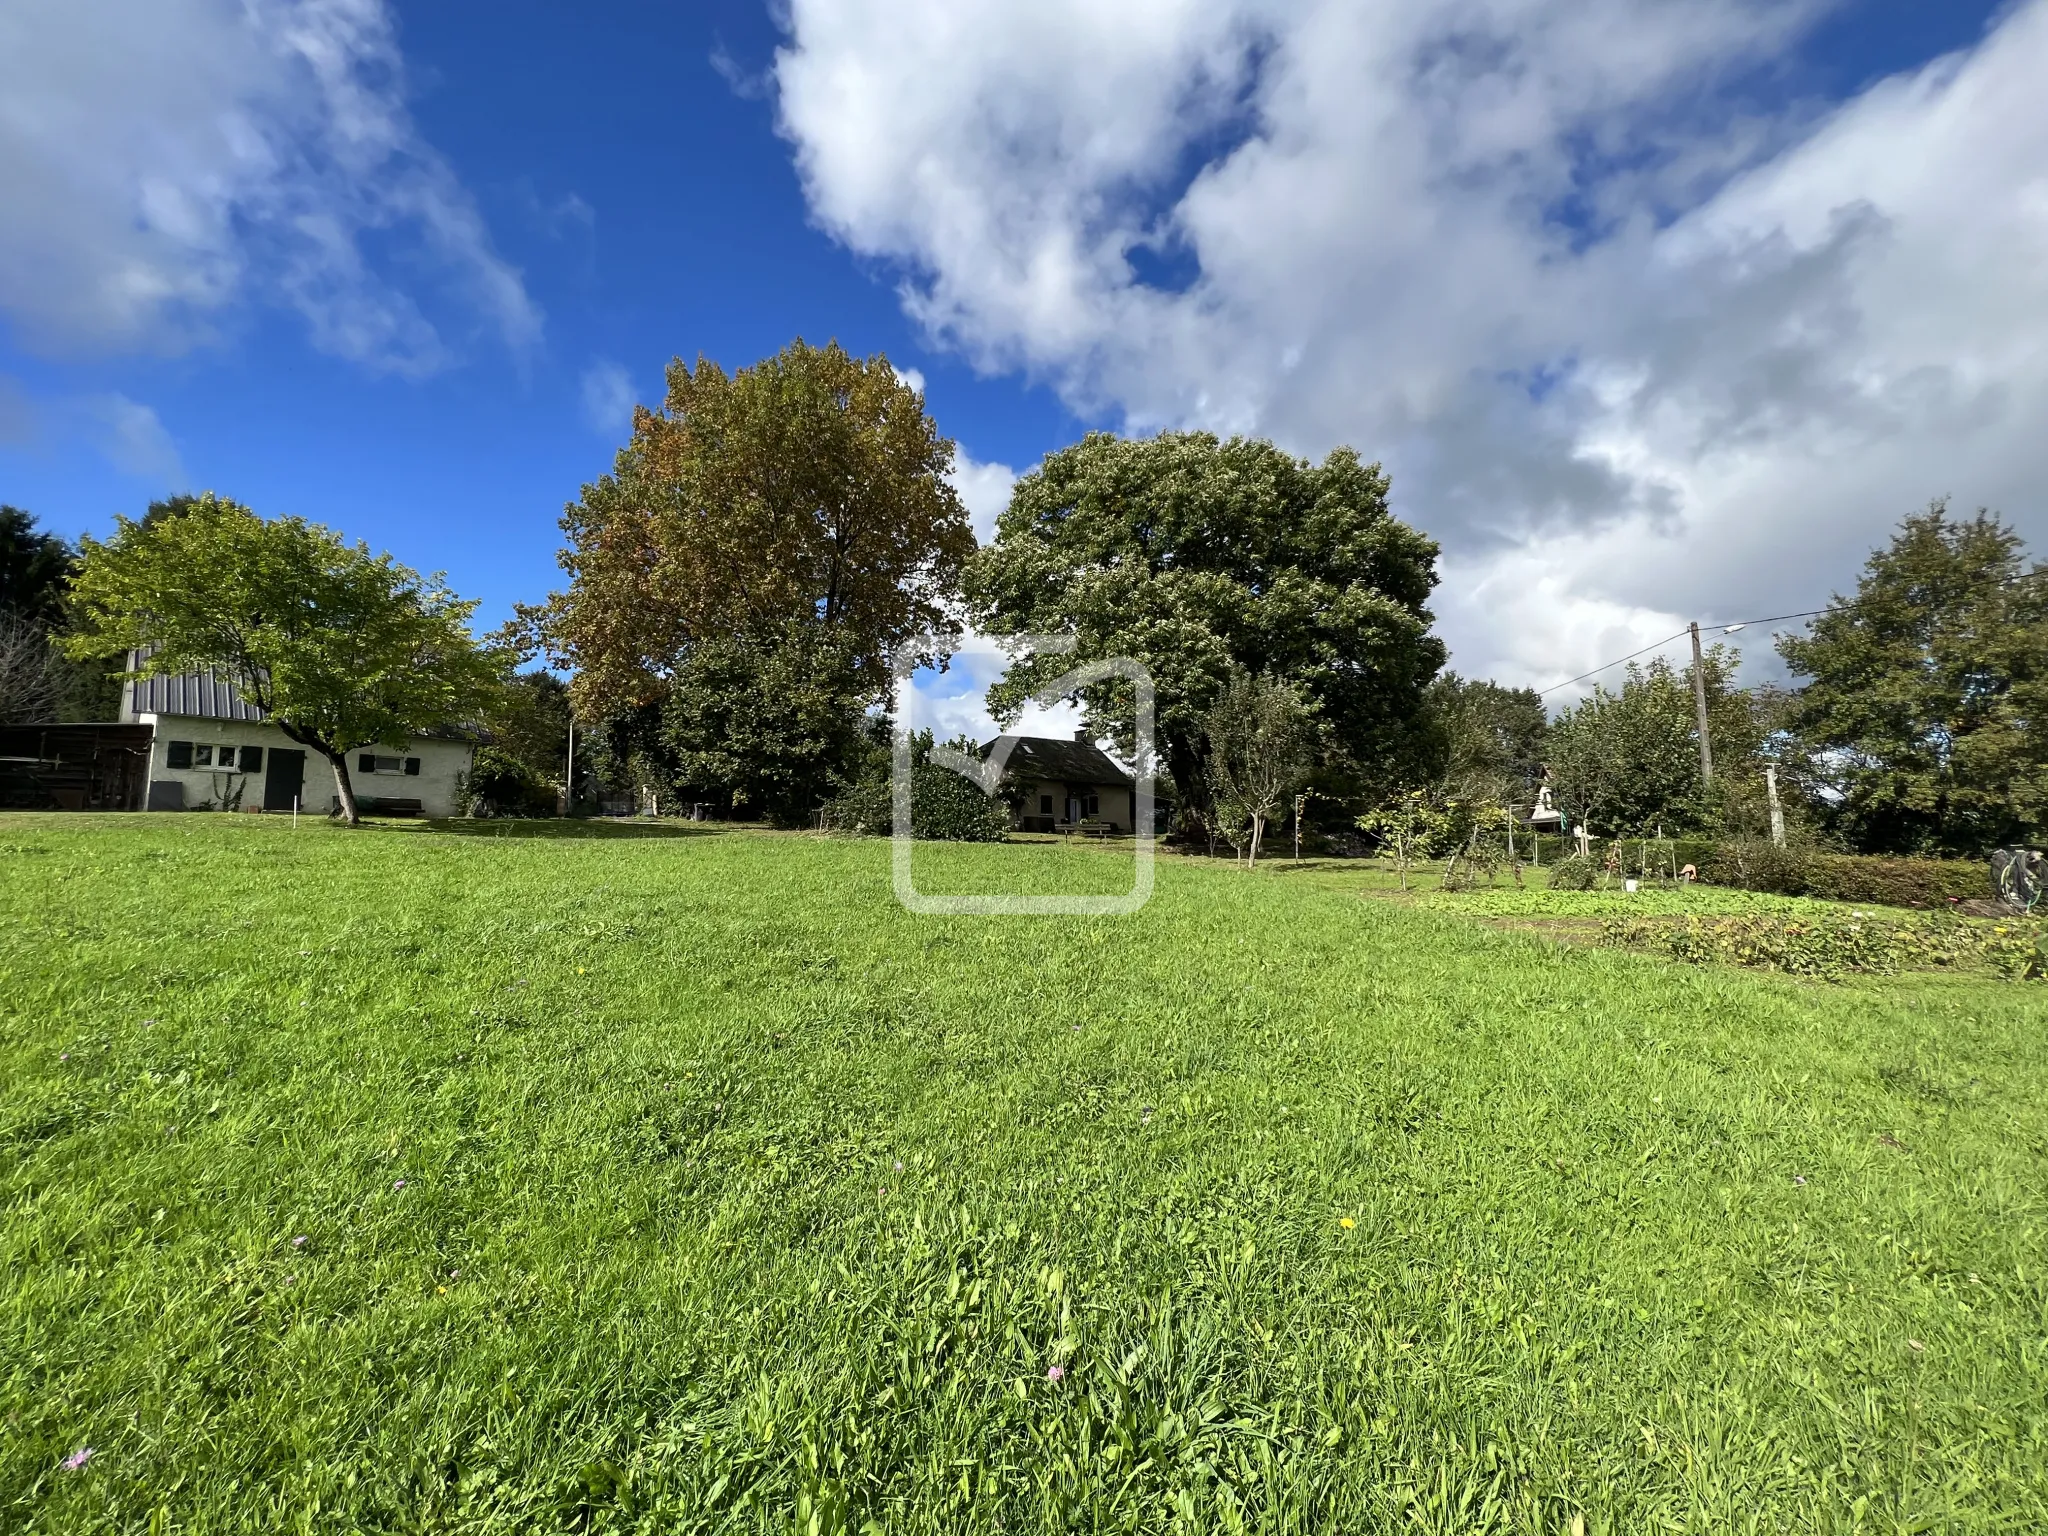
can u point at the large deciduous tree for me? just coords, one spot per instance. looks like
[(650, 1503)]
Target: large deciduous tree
[(1628, 762), (1925, 712), (340, 648), (1487, 738), (1200, 558), (766, 539)]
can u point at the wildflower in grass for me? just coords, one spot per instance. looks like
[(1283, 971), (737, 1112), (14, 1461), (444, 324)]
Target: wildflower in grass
[(77, 1459), (1347, 1223), (398, 1183), (1056, 1373), (1915, 1345), (63, 1055), (298, 1242), (899, 1165), (1799, 1179)]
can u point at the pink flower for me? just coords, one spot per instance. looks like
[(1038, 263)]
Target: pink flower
[(78, 1458), (398, 1183), (1055, 1373)]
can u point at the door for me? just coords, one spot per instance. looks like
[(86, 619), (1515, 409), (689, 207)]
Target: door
[(284, 779)]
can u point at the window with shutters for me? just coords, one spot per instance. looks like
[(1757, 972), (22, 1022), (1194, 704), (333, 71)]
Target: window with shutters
[(374, 762)]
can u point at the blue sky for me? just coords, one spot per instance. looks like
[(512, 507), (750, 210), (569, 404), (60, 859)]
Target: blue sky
[(1175, 215)]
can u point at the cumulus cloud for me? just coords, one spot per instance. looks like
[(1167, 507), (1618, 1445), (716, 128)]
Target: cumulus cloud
[(161, 158), (608, 398), (955, 702), (1635, 349), (985, 488)]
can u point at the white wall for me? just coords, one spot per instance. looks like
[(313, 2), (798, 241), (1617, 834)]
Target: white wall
[(442, 765)]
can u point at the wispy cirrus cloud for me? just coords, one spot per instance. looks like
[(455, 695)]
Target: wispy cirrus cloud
[(165, 161)]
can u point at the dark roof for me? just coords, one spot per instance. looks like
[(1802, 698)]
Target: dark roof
[(1052, 757), (199, 695)]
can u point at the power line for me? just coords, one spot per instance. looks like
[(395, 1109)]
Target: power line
[(1725, 629)]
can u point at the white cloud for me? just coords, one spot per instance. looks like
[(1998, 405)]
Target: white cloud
[(161, 159), (955, 703), (130, 435), (608, 398), (985, 488), (1634, 351)]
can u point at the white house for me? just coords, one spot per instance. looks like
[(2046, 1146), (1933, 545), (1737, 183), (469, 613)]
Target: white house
[(212, 750), (1065, 785)]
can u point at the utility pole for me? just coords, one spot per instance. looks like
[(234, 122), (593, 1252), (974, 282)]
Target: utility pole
[(1777, 810), (569, 785), (1699, 704)]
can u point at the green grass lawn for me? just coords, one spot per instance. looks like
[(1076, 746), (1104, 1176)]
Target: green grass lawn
[(410, 1181)]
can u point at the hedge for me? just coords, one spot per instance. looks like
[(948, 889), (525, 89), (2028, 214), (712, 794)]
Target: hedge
[(1848, 877)]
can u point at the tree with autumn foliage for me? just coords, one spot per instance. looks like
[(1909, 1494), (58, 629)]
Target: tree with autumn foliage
[(763, 547)]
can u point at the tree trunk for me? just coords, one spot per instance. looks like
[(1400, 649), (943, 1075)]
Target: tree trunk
[(339, 762)]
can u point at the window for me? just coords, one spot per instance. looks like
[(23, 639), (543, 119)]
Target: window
[(1090, 806), (1045, 805), (178, 754), (202, 755), (372, 762)]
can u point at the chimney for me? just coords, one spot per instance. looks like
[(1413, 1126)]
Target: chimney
[(1084, 737)]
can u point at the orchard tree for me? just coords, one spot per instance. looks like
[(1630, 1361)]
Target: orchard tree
[(1261, 745), (797, 514), (338, 647), (1201, 558), (1925, 713)]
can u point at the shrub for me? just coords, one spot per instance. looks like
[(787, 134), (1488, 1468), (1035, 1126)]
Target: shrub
[(1576, 873), (497, 785), (1758, 866), (944, 807)]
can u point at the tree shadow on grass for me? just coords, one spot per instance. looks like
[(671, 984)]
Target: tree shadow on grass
[(558, 827)]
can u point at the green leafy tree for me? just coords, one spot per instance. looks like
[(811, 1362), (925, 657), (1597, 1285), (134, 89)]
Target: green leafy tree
[(1199, 558), (35, 569), (1925, 711), (1261, 746), (1409, 824), (529, 724), (340, 648), (1489, 739), (768, 721), (1628, 761)]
